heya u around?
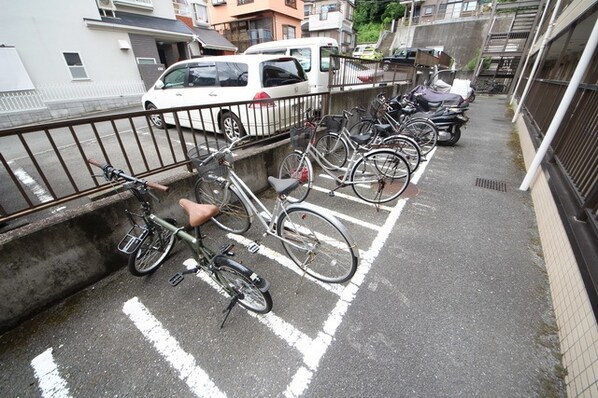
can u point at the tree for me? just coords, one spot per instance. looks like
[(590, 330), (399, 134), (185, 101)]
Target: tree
[(393, 11)]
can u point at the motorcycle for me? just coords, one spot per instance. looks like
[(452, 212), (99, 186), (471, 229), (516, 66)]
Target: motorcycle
[(449, 119)]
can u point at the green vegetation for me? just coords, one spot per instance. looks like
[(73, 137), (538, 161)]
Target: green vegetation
[(473, 63), (370, 17)]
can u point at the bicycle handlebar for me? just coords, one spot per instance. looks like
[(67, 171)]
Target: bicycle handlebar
[(112, 174)]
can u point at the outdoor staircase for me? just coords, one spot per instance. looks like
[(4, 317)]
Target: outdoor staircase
[(506, 49)]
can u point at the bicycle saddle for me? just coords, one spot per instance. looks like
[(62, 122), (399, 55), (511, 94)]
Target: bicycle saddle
[(283, 186), (361, 139), (198, 213)]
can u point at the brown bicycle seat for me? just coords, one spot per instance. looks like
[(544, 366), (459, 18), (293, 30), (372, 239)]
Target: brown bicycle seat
[(198, 213)]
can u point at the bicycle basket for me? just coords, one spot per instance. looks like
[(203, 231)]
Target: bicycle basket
[(377, 108), (300, 137), (218, 166), (333, 123)]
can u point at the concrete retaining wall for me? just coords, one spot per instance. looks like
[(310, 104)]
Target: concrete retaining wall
[(47, 261)]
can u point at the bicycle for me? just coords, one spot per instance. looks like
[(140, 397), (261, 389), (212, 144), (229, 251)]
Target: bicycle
[(420, 129), (148, 244), (319, 244), (381, 136), (375, 175)]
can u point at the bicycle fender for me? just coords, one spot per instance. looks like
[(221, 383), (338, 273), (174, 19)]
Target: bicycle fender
[(261, 283), (333, 220)]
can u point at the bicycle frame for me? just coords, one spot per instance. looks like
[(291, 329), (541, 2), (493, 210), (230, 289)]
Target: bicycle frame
[(267, 218), (195, 243)]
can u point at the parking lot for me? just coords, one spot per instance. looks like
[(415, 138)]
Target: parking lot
[(449, 299)]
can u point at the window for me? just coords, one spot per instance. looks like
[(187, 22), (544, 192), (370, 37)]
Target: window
[(241, 2), (429, 10), (288, 32), (470, 6), (307, 9), (304, 57), (146, 61), (181, 7), (176, 78), (202, 75), (75, 65), (290, 3), (325, 53), (200, 13), (281, 73), (232, 74)]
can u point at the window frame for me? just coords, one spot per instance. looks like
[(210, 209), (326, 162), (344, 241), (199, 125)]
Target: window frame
[(291, 3), (82, 66), (285, 35)]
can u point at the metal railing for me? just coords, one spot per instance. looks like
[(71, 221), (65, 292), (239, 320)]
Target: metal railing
[(44, 166), (351, 72)]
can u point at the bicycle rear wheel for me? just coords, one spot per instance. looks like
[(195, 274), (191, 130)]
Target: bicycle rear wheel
[(423, 131), (407, 147), (380, 176), (153, 250), (296, 165), (320, 245), (234, 215), (238, 280), (334, 149)]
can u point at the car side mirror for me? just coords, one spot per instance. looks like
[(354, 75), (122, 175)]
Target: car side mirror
[(159, 85)]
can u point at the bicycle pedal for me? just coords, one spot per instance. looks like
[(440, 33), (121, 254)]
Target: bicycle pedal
[(176, 279), (226, 249), (253, 247), (331, 194)]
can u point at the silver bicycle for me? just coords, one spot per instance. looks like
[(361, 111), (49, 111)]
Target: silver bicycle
[(376, 175), (318, 243)]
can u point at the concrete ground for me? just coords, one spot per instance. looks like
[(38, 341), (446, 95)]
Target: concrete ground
[(455, 304)]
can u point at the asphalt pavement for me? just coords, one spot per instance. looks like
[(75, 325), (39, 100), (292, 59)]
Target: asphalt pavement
[(451, 299)]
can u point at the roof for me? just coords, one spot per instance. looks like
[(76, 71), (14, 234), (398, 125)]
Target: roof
[(143, 24), (209, 38)]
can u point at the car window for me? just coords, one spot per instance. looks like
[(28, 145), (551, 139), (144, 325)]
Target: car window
[(202, 75), (175, 78), (325, 53), (232, 74), (304, 57), (282, 72)]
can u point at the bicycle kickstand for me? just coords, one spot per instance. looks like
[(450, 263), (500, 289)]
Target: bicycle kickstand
[(229, 308)]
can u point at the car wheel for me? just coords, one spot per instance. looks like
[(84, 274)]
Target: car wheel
[(385, 67), (155, 118), (231, 126)]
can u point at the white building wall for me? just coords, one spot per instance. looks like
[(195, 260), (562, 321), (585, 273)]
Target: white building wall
[(42, 30)]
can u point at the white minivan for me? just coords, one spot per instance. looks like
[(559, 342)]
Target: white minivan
[(256, 79), (313, 53)]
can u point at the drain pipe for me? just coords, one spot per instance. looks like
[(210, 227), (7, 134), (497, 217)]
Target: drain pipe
[(582, 66), (531, 47), (532, 74)]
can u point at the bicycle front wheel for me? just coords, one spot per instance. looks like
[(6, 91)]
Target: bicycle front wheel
[(380, 176), (423, 131), (334, 150), (234, 215), (320, 245), (153, 250), (296, 165), (237, 280)]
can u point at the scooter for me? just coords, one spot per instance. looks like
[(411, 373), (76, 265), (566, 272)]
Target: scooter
[(448, 119), (431, 100)]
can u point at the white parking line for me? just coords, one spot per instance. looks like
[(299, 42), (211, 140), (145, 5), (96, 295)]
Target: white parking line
[(198, 381), (285, 262), (46, 372), (350, 197)]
